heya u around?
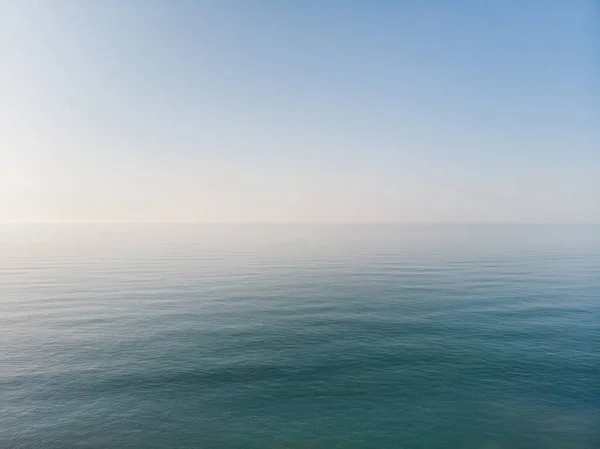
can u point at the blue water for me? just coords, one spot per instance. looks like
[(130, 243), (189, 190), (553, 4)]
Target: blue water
[(185, 336)]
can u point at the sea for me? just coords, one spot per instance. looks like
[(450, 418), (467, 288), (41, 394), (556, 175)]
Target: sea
[(299, 336)]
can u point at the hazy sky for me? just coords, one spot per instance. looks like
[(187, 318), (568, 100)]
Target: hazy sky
[(300, 111)]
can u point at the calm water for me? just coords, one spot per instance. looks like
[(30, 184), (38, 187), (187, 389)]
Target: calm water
[(146, 336)]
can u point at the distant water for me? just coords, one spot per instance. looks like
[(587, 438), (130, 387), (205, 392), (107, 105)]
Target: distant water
[(151, 336)]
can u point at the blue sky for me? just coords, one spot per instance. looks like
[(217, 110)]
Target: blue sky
[(299, 111)]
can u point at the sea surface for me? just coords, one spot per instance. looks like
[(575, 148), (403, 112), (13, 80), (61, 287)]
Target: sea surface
[(285, 336)]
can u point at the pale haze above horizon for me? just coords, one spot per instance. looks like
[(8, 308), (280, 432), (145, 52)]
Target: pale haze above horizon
[(301, 111)]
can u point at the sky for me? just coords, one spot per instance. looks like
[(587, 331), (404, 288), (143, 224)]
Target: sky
[(312, 111)]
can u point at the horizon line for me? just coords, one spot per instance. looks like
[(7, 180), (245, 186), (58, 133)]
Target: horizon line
[(396, 223)]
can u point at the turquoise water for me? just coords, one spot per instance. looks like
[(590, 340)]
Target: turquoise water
[(156, 336)]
